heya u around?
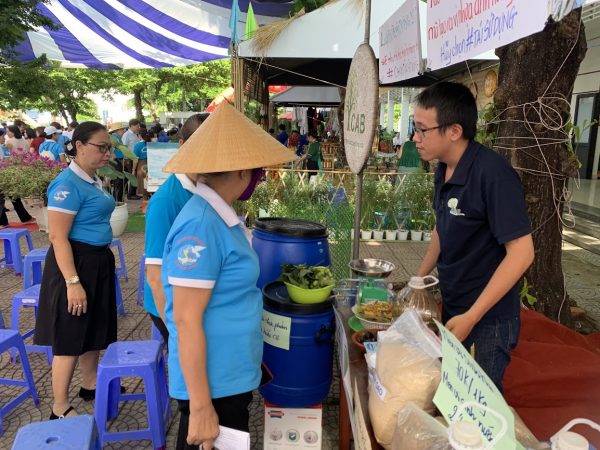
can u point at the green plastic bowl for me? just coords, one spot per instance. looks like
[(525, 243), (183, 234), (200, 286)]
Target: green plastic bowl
[(308, 296)]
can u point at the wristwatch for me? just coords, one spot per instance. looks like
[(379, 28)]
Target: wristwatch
[(72, 280)]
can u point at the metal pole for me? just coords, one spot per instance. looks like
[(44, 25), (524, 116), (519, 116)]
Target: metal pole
[(359, 176)]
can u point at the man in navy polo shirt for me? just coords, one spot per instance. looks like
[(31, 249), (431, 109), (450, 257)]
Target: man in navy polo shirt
[(482, 241)]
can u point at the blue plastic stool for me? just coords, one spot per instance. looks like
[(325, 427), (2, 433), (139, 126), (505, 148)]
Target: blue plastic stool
[(2, 321), (32, 266), (8, 340), (12, 249), (120, 305), (143, 359), (121, 269), (70, 433), (28, 298), (141, 279)]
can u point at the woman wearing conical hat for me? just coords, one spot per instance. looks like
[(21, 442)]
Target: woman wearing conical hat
[(213, 307)]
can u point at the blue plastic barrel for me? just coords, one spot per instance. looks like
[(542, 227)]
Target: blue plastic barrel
[(280, 241), (302, 373)]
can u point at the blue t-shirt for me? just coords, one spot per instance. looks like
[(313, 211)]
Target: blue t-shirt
[(162, 210), (74, 192), (118, 153), (62, 139), (478, 210), (53, 147), (208, 247), (4, 150), (140, 150)]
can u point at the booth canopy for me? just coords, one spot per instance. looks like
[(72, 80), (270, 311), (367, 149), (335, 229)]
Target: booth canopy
[(321, 44), (110, 34), (308, 95)]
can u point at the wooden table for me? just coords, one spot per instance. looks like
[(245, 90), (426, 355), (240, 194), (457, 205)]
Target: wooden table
[(358, 375)]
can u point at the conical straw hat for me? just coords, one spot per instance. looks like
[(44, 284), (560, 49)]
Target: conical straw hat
[(227, 141)]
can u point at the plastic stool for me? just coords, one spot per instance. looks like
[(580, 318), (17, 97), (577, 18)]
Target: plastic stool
[(120, 305), (12, 249), (121, 269), (143, 359), (141, 281), (28, 298), (2, 321), (8, 340), (32, 266), (70, 433)]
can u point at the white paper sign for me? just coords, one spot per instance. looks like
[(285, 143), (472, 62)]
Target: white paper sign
[(400, 44), (461, 29), (159, 153), (276, 330)]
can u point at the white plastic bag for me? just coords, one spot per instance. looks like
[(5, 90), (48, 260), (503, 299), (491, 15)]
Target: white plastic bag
[(417, 430)]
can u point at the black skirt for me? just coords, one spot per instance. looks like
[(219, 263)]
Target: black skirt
[(71, 335)]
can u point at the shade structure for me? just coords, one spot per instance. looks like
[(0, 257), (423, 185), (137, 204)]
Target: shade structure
[(227, 95), (111, 34)]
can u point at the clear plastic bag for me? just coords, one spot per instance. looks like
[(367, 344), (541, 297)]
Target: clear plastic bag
[(417, 430)]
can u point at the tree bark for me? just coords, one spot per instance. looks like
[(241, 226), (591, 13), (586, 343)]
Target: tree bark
[(535, 84), (137, 101)]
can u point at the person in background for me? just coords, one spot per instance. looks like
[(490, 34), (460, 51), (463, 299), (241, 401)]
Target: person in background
[(396, 141), (69, 132), (77, 307), (294, 140), (22, 126), (140, 150), (3, 150), (130, 138), (163, 208), (15, 142), (117, 130), (62, 139), (213, 307), (481, 244), (30, 135), (272, 131), (37, 141), (50, 148), (313, 155), (282, 136), (409, 160)]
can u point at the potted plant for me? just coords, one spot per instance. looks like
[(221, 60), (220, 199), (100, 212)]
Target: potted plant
[(27, 175), (429, 224), (369, 193), (112, 172)]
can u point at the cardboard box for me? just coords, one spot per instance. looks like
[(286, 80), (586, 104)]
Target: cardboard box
[(293, 428)]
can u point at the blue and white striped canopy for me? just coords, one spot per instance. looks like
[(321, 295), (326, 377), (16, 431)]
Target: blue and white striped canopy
[(111, 34)]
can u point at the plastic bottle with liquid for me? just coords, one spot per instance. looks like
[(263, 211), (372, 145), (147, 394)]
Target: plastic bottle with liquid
[(568, 440), (416, 295), (464, 435)]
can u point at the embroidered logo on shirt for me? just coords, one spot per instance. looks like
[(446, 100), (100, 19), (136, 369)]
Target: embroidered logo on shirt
[(189, 252), (452, 204), (61, 196)]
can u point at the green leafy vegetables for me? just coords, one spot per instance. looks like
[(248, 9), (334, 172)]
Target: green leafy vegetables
[(307, 277)]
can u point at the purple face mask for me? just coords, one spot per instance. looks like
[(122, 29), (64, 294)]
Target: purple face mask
[(257, 175)]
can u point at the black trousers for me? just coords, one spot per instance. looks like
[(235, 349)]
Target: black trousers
[(232, 411), (24, 216)]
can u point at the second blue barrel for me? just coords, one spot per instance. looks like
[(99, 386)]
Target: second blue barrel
[(280, 241), (298, 349)]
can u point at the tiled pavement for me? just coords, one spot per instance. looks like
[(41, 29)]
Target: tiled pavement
[(583, 281)]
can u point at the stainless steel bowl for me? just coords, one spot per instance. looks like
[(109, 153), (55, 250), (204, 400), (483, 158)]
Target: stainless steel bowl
[(370, 267)]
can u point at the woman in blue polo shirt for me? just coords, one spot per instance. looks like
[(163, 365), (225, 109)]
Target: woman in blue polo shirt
[(77, 305), (213, 307), (162, 210)]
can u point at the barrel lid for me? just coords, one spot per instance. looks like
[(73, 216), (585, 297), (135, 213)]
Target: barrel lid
[(290, 227), (275, 296)]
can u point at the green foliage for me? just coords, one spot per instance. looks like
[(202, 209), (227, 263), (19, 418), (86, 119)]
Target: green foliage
[(307, 5), (307, 277), (415, 194), (487, 126), (524, 294), (26, 174)]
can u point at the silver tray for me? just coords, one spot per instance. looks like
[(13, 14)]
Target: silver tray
[(370, 267)]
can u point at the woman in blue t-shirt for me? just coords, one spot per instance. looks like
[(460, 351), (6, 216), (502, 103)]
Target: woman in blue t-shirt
[(77, 306)]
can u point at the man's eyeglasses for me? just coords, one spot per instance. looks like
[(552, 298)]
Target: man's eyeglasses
[(102, 148), (421, 131)]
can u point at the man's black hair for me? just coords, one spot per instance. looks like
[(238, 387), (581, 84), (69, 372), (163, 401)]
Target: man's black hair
[(271, 130), (134, 122), (454, 103), (282, 126)]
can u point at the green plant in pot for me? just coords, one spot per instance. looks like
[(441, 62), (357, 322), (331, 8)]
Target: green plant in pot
[(381, 206), (369, 194)]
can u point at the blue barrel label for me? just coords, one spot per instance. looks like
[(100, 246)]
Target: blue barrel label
[(276, 330)]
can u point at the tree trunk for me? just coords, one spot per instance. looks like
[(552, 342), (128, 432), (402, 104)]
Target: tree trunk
[(137, 101), (63, 113), (535, 85)]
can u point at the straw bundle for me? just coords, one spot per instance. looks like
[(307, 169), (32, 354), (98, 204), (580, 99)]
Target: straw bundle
[(267, 34)]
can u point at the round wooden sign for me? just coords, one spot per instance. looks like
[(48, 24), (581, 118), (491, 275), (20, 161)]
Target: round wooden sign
[(360, 109), (491, 83)]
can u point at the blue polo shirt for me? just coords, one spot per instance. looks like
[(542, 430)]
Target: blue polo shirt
[(140, 150), (74, 192), (478, 210), (118, 153), (53, 147), (209, 248), (163, 208)]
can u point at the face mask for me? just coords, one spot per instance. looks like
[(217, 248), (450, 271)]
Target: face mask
[(257, 175)]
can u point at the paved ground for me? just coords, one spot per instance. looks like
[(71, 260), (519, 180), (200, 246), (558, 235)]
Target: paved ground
[(582, 270)]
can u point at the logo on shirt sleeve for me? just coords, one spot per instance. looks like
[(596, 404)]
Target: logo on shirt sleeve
[(453, 205), (188, 253), (60, 196)]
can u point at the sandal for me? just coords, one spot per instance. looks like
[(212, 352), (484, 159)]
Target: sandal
[(63, 415), (90, 394)]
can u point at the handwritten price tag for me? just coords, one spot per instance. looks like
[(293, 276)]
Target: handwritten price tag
[(276, 330)]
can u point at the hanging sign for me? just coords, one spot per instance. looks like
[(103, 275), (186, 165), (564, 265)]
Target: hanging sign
[(400, 44), (159, 154), (360, 108), (461, 29), (463, 380)]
